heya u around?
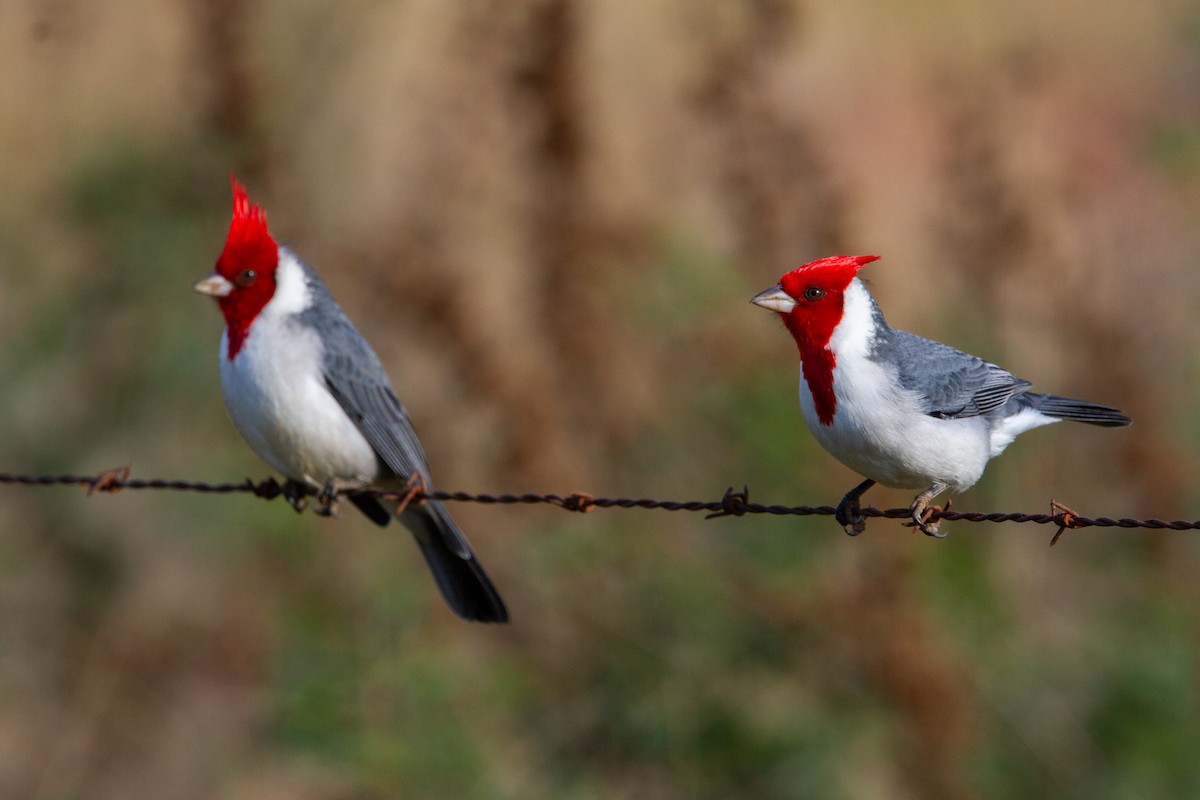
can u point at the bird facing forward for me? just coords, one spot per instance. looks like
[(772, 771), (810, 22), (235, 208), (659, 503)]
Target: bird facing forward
[(901, 410), (310, 396)]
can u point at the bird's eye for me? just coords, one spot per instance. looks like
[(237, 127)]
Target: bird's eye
[(814, 293), (245, 277)]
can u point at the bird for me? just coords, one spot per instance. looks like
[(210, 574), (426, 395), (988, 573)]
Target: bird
[(311, 398), (901, 410)]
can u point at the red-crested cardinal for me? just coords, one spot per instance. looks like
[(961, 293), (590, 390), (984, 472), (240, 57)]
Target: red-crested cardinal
[(310, 396), (901, 410)]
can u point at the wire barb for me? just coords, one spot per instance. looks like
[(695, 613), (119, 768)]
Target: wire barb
[(578, 501), (111, 480), (732, 503), (1064, 517)]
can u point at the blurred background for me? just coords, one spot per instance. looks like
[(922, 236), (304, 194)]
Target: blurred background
[(549, 217)]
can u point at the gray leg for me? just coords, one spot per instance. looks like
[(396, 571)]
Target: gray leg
[(920, 506), (848, 514)]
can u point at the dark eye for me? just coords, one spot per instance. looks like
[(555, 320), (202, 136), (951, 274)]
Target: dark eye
[(245, 277), (813, 293)]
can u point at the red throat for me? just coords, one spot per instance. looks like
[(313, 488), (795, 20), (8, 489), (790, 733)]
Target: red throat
[(819, 289), (816, 365), (248, 261)]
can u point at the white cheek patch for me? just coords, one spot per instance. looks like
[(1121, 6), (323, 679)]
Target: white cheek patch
[(852, 336), (291, 290)]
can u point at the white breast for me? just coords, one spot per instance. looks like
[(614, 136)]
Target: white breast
[(276, 395), (878, 428)]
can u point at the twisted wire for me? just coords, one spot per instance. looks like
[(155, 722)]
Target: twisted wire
[(732, 504)]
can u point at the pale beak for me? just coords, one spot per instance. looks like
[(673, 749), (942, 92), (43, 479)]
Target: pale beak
[(214, 286), (774, 299)]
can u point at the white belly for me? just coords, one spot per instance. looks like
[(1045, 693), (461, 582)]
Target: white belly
[(278, 401), (880, 433)]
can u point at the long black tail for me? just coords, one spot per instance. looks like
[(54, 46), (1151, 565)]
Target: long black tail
[(1078, 410), (467, 588)]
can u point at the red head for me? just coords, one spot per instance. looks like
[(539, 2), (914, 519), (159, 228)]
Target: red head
[(810, 300), (817, 291), (244, 280)]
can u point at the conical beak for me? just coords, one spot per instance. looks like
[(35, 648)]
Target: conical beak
[(214, 286), (774, 299)]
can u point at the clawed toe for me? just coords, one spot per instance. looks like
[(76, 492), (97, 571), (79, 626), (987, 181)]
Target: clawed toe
[(926, 517), (414, 486), (324, 502), (296, 493), (849, 516), (921, 521), (327, 500), (848, 512)]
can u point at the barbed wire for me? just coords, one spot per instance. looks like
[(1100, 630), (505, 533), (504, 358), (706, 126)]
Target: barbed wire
[(732, 504)]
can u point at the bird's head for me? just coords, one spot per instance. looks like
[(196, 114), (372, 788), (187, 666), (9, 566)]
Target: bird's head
[(244, 280), (810, 298)]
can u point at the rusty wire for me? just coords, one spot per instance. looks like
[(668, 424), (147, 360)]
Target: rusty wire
[(732, 504)]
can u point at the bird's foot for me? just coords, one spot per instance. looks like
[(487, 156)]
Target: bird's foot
[(926, 517), (414, 486), (296, 493), (849, 516), (326, 504), (849, 513)]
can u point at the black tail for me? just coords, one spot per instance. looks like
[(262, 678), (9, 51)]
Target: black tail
[(467, 589), (1078, 410)]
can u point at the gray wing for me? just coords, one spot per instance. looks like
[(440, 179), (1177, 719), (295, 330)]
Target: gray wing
[(950, 383), (357, 379)]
